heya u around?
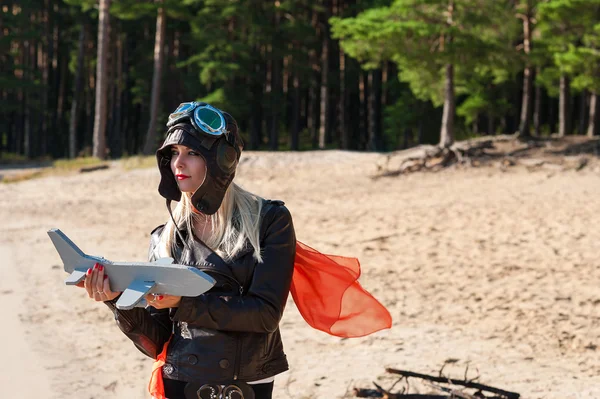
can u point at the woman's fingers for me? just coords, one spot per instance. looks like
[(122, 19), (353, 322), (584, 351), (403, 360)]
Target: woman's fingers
[(154, 300), (96, 294), (96, 284), (100, 279), (110, 295), (87, 284), (106, 286)]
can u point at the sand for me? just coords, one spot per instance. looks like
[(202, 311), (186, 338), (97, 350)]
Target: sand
[(493, 269)]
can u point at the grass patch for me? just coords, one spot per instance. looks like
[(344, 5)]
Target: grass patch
[(19, 177), (69, 166), (138, 162), (76, 163), (58, 167), (12, 158)]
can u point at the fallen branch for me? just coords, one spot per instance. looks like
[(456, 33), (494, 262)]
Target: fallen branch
[(433, 158), (373, 393), (86, 169), (466, 384)]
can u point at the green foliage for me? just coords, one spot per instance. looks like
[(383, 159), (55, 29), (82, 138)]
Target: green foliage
[(569, 34), (225, 51), (420, 38)]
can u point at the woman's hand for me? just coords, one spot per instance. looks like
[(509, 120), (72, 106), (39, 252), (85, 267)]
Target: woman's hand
[(163, 301), (97, 286)]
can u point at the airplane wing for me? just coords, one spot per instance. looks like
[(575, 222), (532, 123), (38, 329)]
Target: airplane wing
[(134, 294), (76, 277)]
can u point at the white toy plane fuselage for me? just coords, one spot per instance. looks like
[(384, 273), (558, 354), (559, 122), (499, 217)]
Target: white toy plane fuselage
[(134, 279)]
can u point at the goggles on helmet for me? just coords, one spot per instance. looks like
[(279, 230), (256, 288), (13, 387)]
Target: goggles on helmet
[(204, 117)]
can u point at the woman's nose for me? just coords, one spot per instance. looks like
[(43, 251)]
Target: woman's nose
[(179, 162)]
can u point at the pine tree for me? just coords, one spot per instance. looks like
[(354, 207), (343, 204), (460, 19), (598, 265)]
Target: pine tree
[(101, 81), (432, 42), (562, 25)]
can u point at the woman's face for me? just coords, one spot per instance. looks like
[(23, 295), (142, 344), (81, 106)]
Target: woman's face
[(188, 167)]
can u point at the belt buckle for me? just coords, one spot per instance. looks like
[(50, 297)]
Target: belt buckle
[(216, 391), (233, 392), (209, 391)]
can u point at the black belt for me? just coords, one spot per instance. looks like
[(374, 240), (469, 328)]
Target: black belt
[(236, 390)]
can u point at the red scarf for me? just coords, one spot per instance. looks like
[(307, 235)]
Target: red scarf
[(326, 291), (156, 385)]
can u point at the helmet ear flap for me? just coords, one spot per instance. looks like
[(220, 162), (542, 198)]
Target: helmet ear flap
[(226, 156), (167, 187)]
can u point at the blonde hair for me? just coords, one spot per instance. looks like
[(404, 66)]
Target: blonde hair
[(236, 222)]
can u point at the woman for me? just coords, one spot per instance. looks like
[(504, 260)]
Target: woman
[(226, 342)]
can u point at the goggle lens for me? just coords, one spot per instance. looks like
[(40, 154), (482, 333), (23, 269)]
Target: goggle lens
[(183, 107), (203, 116), (209, 117)]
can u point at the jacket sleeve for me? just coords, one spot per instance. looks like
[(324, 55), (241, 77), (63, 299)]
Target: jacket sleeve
[(148, 328), (261, 308)]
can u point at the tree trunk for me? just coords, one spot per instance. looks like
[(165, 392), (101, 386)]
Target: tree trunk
[(276, 88), (375, 139), (447, 130), (551, 115), (324, 108), (117, 138), (46, 65), (591, 129), (363, 111), (313, 100), (159, 55), (537, 106), (295, 142), (582, 107), (29, 125), (343, 101), (526, 104), (295, 67), (99, 150), (58, 121), (126, 90), (256, 106), (490, 123), (526, 100), (563, 109), (77, 93)]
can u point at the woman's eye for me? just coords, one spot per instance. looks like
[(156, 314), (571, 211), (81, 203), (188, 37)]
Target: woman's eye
[(193, 153), (174, 152)]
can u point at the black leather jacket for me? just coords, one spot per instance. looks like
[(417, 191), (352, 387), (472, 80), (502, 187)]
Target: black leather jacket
[(232, 331)]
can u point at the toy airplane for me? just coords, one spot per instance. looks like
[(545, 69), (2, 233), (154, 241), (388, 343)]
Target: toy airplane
[(134, 279)]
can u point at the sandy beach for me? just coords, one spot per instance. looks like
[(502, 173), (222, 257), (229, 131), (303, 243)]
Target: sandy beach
[(496, 269)]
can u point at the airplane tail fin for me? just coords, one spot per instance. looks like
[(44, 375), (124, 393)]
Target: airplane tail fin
[(70, 254)]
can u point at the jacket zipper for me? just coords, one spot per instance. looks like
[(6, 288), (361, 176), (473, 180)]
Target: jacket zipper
[(236, 366)]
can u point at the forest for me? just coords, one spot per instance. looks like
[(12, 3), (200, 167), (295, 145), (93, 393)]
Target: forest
[(99, 78)]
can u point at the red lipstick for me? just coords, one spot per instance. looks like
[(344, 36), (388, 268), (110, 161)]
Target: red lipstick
[(182, 177)]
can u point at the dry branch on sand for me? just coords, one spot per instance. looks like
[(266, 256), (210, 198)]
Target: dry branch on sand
[(445, 391), (505, 151)]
